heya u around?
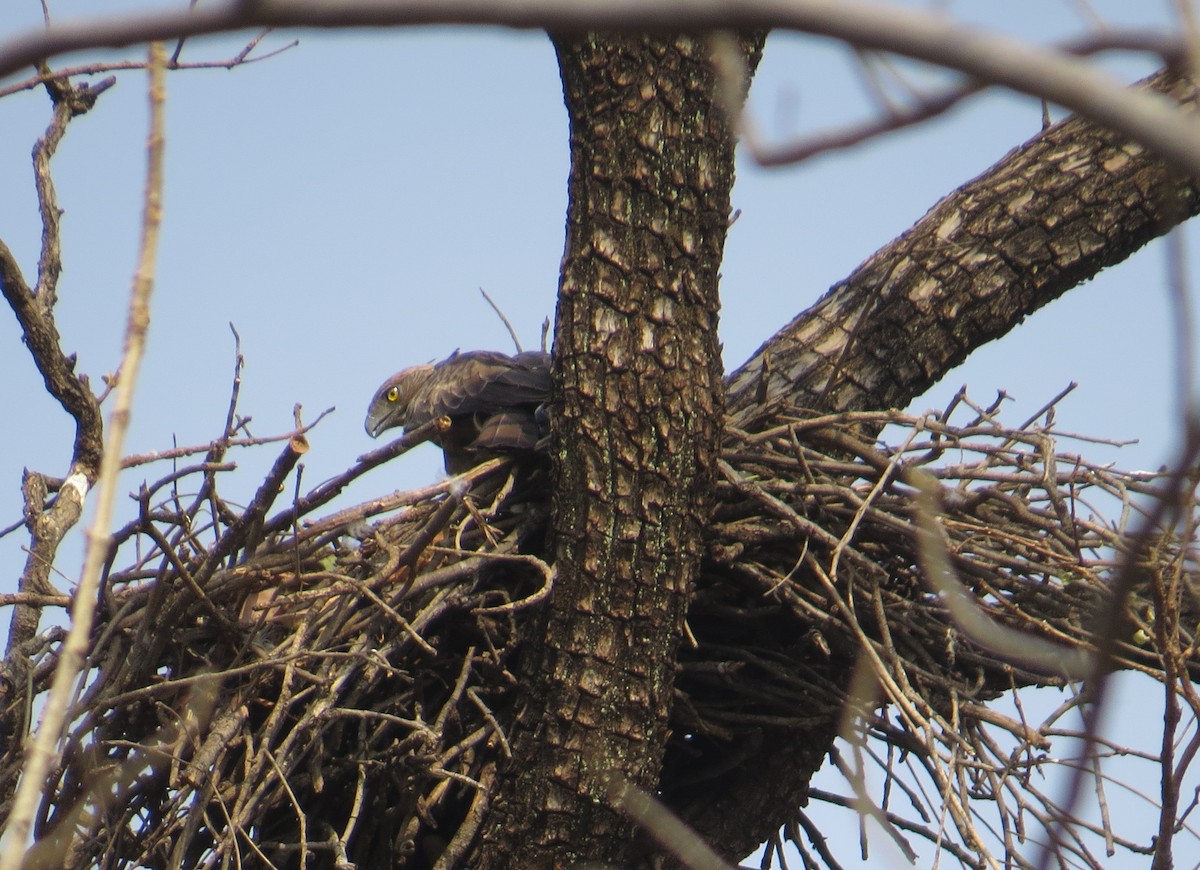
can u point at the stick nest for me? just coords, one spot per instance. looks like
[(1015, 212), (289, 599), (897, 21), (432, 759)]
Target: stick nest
[(259, 687)]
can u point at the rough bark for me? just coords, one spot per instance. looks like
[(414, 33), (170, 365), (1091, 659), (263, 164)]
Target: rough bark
[(1049, 216), (637, 435)]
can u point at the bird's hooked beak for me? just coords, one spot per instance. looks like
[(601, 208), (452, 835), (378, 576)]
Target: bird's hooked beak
[(373, 426), (379, 421), (383, 414)]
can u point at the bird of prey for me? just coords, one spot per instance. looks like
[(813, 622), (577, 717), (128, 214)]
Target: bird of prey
[(495, 403)]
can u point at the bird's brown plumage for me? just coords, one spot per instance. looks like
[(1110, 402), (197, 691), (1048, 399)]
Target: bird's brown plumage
[(492, 399)]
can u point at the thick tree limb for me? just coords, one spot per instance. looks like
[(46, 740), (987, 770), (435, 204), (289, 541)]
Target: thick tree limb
[(1049, 216)]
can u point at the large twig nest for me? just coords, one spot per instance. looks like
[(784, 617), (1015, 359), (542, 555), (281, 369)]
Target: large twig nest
[(262, 686)]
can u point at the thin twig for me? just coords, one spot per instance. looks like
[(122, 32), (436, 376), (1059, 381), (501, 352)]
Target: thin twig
[(512, 332)]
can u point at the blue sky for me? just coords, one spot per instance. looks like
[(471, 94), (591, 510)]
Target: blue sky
[(342, 203)]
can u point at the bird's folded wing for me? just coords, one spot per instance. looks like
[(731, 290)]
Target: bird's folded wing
[(483, 382), (507, 431)]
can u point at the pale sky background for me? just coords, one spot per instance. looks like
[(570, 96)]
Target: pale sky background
[(342, 203)]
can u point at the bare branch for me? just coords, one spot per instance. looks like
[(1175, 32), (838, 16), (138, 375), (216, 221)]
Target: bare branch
[(923, 109), (928, 36), (42, 751), (503, 319), (49, 523), (242, 58)]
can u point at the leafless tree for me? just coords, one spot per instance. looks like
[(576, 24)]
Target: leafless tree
[(673, 617)]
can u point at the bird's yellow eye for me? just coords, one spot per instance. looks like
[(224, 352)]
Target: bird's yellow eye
[(393, 394)]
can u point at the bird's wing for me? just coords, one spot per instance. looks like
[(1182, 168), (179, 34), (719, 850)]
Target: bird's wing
[(482, 382), (508, 430)]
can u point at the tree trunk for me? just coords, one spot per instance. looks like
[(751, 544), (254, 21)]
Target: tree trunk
[(636, 438)]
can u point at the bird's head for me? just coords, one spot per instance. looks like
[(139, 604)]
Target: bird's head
[(390, 406)]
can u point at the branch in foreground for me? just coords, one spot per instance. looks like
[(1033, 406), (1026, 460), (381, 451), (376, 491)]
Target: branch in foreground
[(988, 57), (242, 58), (920, 107)]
